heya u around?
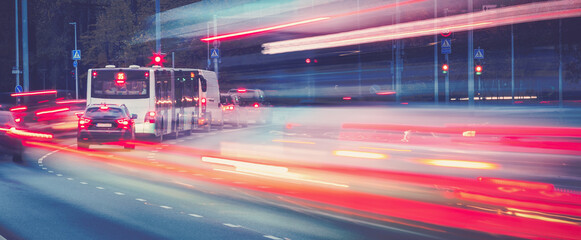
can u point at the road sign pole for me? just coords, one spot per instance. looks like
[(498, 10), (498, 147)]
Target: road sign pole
[(447, 82), (470, 58)]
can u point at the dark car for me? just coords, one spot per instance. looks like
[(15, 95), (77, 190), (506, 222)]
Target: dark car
[(10, 143), (106, 123), (233, 114), (258, 110)]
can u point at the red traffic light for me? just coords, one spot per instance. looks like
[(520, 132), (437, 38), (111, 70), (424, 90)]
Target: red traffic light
[(478, 69), (445, 68), (157, 59)]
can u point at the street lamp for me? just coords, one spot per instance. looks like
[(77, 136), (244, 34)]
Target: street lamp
[(76, 68)]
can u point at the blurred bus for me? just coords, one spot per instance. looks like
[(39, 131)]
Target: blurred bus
[(166, 100)]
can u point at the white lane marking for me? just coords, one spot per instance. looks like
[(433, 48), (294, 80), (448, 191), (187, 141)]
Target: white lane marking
[(196, 215), (51, 171), (70, 179), (154, 151), (2, 238), (119, 193), (272, 237), (166, 207), (231, 225), (44, 168), (141, 199), (100, 188), (84, 183), (59, 175)]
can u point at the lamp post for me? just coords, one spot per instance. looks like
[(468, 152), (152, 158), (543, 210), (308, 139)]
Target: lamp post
[(76, 67)]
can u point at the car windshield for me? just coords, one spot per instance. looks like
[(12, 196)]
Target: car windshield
[(108, 113)]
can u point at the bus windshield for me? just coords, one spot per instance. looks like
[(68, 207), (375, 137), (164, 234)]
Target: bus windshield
[(104, 84)]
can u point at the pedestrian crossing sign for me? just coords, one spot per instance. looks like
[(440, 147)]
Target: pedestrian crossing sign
[(479, 53), (215, 53), (76, 54)]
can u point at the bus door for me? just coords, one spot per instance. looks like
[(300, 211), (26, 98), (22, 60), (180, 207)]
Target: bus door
[(163, 101)]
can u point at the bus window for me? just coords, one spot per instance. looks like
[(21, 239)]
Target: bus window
[(103, 85), (204, 84)]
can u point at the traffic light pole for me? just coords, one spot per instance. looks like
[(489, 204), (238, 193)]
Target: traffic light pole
[(470, 58), (76, 66)]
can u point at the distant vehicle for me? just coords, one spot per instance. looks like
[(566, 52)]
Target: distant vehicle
[(257, 108), (49, 111), (9, 143), (106, 123), (166, 100), (233, 113)]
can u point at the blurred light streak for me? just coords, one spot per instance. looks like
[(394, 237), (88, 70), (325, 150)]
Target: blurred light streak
[(277, 27), (469, 134), (56, 110), (246, 166), (264, 170), (517, 183), (379, 205), (573, 210), (484, 19), (19, 108), (33, 93), (385, 93), (358, 154), (459, 164), (290, 141), (387, 149), (71, 101), (346, 98), (261, 30)]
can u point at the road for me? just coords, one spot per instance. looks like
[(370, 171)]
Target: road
[(281, 181)]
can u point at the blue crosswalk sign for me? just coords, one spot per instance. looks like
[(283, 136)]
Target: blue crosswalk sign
[(446, 46), (76, 54), (479, 53), (215, 53)]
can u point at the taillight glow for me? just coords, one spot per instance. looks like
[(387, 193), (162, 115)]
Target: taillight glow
[(18, 120), (94, 74), (123, 122), (256, 105), (228, 107), (104, 108), (346, 98), (241, 90), (203, 100), (83, 122), (150, 117)]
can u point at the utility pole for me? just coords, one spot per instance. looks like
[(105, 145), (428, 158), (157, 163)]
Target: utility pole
[(470, 57), (157, 28), (436, 89), (216, 43), (76, 66), (17, 68), (25, 66)]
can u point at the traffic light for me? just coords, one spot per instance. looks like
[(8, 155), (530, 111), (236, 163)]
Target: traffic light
[(308, 60), (478, 69), (157, 59), (445, 68)]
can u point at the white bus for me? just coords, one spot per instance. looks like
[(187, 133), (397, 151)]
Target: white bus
[(166, 100)]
